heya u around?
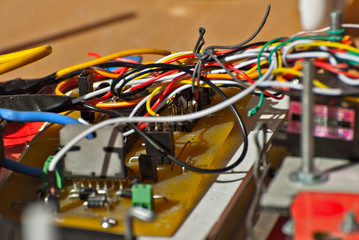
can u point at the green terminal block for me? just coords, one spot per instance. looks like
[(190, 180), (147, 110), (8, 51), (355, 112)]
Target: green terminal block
[(142, 196), (58, 172)]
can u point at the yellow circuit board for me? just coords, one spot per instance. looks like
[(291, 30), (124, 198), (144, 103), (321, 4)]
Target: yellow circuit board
[(211, 144)]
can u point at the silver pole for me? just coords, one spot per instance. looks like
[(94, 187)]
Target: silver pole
[(307, 139)]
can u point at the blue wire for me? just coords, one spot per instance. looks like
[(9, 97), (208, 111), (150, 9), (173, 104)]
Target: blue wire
[(21, 168), (20, 116)]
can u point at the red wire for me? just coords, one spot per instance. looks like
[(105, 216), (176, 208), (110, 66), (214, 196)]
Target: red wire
[(333, 68), (93, 54), (68, 86), (246, 77)]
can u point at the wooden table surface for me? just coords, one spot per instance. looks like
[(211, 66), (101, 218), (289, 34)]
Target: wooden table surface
[(74, 28)]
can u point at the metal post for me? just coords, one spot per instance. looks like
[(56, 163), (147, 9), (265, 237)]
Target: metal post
[(307, 173), (307, 138)]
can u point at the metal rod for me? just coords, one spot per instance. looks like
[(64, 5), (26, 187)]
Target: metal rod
[(307, 139)]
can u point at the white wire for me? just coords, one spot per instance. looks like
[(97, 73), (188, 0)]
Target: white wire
[(297, 86), (313, 32), (344, 25), (311, 55), (348, 81), (347, 56), (291, 45), (91, 95), (350, 25)]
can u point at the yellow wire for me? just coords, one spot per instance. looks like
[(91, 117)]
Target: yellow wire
[(255, 67), (12, 61), (317, 83), (148, 102), (279, 60), (330, 44), (287, 71), (61, 84), (107, 58), (118, 104)]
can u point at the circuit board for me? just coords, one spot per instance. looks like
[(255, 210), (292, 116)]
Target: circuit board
[(210, 144)]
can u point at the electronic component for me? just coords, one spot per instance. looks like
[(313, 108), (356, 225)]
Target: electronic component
[(85, 83), (182, 104), (148, 167), (163, 135), (99, 157), (124, 193), (336, 128), (142, 196), (85, 192), (96, 200)]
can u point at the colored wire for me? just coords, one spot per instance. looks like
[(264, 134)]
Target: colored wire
[(19, 116), (18, 167)]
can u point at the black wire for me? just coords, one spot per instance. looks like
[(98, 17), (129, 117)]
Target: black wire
[(210, 48), (119, 64)]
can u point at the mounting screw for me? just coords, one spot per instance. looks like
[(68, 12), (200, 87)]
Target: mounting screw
[(107, 222), (350, 224)]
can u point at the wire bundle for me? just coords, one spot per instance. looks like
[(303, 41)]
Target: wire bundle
[(268, 69)]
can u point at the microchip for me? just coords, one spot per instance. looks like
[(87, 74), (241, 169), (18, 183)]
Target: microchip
[(100, 156)]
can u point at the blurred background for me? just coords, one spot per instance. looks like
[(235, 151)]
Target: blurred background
[(73, 28)]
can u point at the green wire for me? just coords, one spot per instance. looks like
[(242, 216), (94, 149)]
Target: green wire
[(329, 38), (353, 53), (254, 110)]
